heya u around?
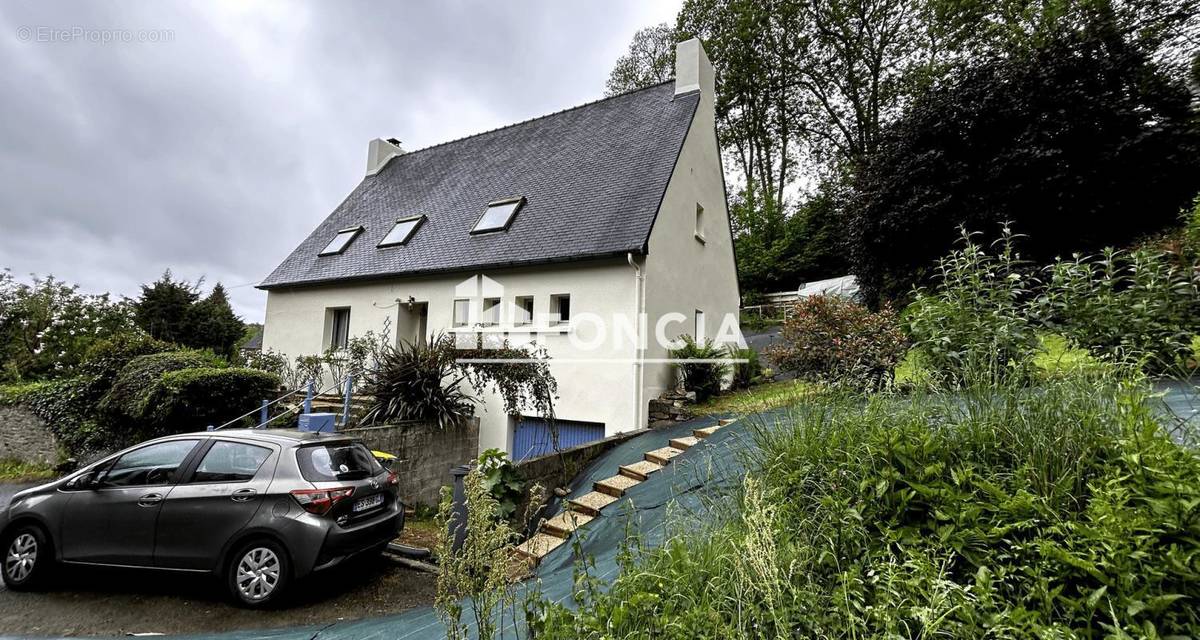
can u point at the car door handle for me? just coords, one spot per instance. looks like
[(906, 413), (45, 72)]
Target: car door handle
[(242, 495), (150, 500)]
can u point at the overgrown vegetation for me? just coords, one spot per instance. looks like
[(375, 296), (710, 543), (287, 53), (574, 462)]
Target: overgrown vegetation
[(1061, 510), (834, 339)]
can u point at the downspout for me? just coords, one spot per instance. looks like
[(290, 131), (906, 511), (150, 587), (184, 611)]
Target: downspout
[(639, 302)]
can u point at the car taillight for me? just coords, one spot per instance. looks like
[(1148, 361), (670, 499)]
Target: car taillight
[(393, 478), (320, 501)]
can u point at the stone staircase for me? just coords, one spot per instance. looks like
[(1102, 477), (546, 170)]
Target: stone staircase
[(555, 532)]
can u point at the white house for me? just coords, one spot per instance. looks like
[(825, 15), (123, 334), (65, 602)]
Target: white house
[(566, 230)]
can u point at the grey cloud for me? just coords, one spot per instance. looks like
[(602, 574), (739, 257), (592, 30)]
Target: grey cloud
[(215, 153)]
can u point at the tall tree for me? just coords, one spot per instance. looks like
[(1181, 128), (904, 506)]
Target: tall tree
[(1082, 141), (212, 324), (162, 308), (650, 60)]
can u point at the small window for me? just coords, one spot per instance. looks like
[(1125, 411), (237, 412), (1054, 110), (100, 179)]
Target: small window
[(155, 464), (491, 311), (339, 328), (524, 308), (498, 216), (700, 223), (560, 309), (400, 234), (341, 241), (231, 462), (462, 311), (699, 334)]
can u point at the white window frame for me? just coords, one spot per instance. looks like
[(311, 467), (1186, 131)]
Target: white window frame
[(351, 232), (419, 220)]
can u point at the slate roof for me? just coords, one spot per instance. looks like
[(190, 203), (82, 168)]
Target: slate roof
[(592, 176)]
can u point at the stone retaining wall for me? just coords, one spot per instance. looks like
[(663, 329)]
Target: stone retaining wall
[(425, 455), (24, 437)]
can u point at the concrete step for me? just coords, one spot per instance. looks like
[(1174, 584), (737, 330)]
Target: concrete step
[(705, 432), (615, 486), (685, 443), (726, 421), (564, 523), (539, 545), (640, 470), (663, 456), (591, 503)]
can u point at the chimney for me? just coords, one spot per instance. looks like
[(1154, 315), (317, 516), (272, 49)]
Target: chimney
[(692, 69), (380, 152)]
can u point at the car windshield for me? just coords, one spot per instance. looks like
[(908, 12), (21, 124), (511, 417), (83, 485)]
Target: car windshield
[(336, 461)]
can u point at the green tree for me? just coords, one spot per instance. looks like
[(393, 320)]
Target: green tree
[(211, 324), (650, 60), (162, 309), (1082, 141), (46, 327)]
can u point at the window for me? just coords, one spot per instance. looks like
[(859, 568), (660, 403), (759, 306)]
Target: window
[(524, 308), (498, 216), (231, 462), (560, 309), (491, 311), (153, 465), (462, 311), (404, 229), (699, 334), (340, 241), (700, 223), (335, 462), (339, 328)]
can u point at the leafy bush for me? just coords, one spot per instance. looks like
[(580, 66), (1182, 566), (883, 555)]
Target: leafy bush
[(106, 358), (702, 377), (192, 399), (974, 323), (1138, 305), (502, 481), (834, 339), (1056, 512), (745, 373), (985, 317), (131, 392), (414, 381)]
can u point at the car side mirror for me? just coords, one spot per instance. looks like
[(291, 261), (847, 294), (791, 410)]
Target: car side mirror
[(86, 480)]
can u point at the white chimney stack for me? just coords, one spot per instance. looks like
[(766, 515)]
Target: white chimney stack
[(380, 152), (693, 71)]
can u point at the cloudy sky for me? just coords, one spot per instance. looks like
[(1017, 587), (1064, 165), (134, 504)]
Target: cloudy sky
[(216, 144)]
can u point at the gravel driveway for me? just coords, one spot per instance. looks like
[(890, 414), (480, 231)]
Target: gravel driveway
[(118, 602)]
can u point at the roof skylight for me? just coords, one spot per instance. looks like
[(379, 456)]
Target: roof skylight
[(400, 234), (499, 215), (341, 241)]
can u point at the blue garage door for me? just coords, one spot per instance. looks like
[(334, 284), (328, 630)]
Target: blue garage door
[(532, 437)]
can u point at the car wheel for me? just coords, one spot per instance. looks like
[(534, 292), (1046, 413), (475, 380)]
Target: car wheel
[(258, 573), (27, 557)]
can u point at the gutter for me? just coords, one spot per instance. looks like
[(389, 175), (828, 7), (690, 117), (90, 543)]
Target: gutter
[(639, 304)]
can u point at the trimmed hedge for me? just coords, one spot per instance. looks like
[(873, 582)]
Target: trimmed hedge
[(131, 392), (106, 359), (193, 399)]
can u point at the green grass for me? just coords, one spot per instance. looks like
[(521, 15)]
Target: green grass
[(18, 471), (1060, 510), (757, 398)]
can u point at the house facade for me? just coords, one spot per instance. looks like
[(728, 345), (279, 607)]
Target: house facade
[(600, 233)]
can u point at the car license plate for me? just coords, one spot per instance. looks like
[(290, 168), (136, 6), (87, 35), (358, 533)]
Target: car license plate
[(369, 502)]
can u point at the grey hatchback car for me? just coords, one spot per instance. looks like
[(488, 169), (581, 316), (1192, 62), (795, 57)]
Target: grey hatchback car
[(258, 508)]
